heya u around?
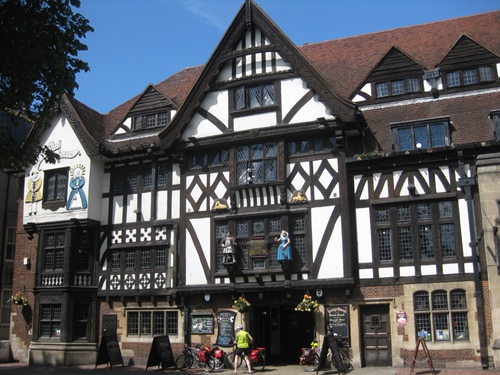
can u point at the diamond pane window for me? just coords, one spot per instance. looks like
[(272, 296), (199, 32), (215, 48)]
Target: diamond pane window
[(382, 215), (162, 176), (404, 213), (421, 136), (445, 209), (239, 94), (424, 211)]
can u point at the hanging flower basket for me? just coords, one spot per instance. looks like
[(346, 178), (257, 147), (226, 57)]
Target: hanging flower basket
[(241, 304), (18, 299), (308, 304)]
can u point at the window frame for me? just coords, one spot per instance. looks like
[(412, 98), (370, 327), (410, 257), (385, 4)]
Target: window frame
[(254, 169), (59, 198), (52, 322), (242, 94), (414, 138), (388, 219), (159, 119), (147, 327), (10, 244), (440, 316), (460, 76), (390, 87)]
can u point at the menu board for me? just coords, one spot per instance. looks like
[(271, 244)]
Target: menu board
[(202, 324), (109, 325), (337, 320), (225, 321), (161, 353)]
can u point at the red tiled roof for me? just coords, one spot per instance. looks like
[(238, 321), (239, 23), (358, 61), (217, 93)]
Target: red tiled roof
[(345, 63)]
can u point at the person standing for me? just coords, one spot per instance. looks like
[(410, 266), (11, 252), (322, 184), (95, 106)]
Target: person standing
[(242, 340)]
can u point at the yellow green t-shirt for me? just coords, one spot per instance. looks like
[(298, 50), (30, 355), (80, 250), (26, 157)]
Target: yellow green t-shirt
[(243, 339)]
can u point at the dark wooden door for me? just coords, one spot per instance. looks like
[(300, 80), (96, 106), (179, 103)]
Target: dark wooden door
[(376, 336)]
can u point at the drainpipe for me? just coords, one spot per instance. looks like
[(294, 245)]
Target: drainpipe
[(465, 184), (3, 231)]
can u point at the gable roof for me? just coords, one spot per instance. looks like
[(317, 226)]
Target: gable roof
[(341, 65), (346, 62), (251, 14)]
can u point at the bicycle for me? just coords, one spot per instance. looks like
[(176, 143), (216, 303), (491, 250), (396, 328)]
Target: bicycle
[(221, 358), (257, 359), (194, 358), (309, 360)]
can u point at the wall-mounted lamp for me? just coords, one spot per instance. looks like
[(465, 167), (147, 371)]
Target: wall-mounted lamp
[(207, 297), (348, 292), (319, 293), (26, 261)]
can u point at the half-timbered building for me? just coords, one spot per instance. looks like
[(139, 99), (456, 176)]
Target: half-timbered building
[(344, 170)]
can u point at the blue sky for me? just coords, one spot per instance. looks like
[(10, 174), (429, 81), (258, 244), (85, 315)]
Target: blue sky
[(137, 42)]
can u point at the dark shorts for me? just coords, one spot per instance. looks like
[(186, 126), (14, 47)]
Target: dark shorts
[(242, 351)]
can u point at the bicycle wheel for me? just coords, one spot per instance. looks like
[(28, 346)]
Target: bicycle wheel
[(346, 361), (230, 361), (316, 362), (261, 362), (209, 364), (184, 362)]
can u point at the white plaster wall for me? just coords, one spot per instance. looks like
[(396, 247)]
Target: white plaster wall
[(464, 227), (161, 205), (200, 127), (72, 153), (131, 207), (117, 209), (263, 120), (365, 254), (194, 269), (176, 208), (146, 206), (332, 265), (292, 90), (364, 194)]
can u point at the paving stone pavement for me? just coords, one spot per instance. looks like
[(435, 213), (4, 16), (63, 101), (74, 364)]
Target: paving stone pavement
[(25, 369)]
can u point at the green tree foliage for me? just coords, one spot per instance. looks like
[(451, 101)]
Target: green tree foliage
[(39, 45)]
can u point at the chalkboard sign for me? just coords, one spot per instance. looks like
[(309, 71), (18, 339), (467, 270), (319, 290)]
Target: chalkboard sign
[(109, 352), (109, 325), (337, 320), (202, 324), (161, 353), (225, 321)]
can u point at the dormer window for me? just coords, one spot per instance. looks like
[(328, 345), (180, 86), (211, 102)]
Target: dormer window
[(397, 87), (422, 135), (256, 96), (470, 76), (154, 120)]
